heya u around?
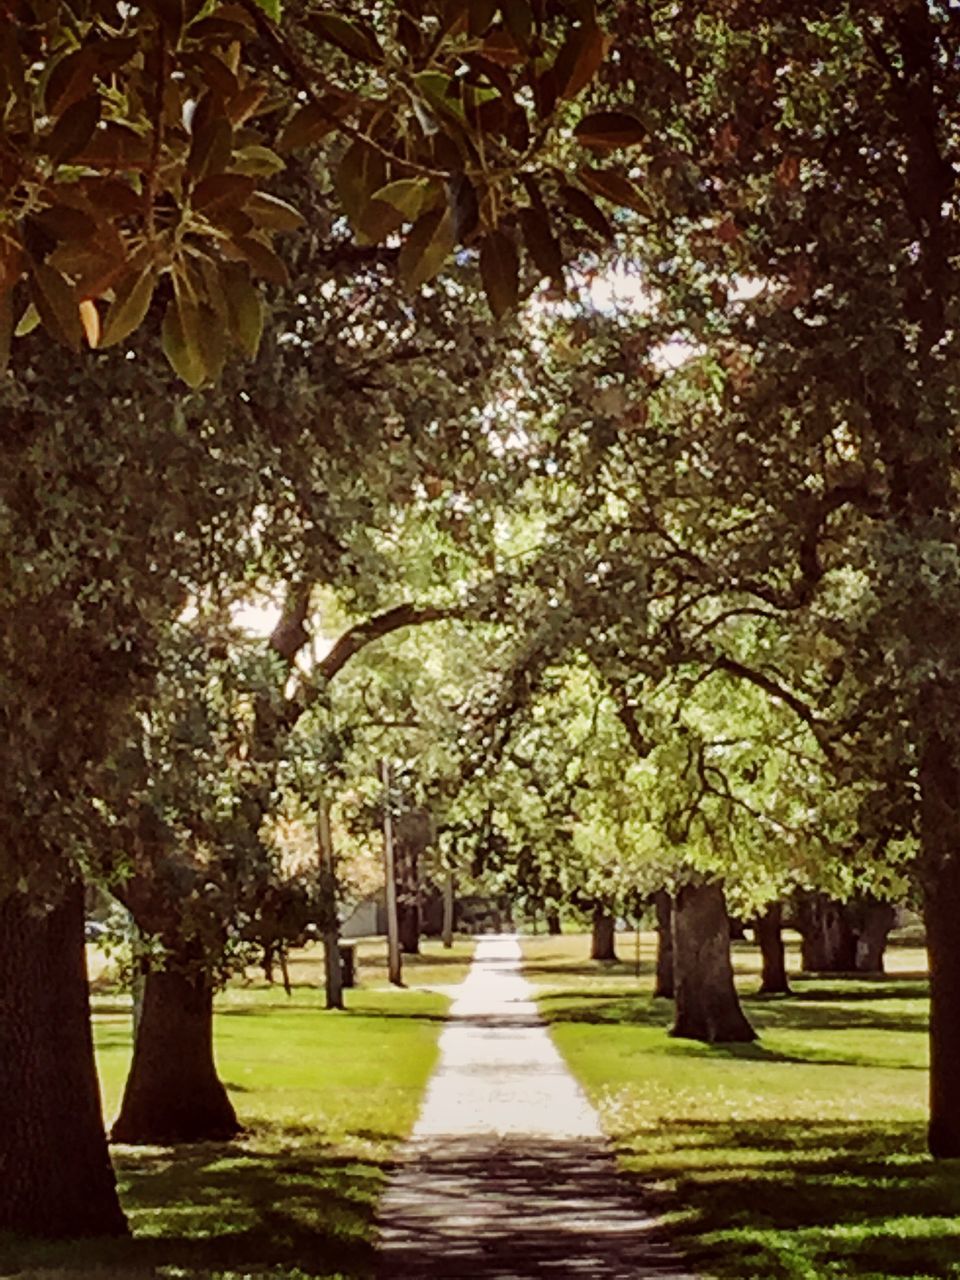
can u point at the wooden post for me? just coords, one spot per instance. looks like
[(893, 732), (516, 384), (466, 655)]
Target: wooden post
[(331, 934), (448, 909), (394, 964)]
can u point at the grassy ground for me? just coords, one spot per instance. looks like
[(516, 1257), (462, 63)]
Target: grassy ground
[(325, 1098), (799, 1156)]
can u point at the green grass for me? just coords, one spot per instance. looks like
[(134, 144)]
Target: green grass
[(325, 1098), (800, 1156)]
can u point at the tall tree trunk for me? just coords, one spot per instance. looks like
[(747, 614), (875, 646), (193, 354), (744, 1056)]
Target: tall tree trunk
[(56, 1180), (554, 926), (768, 929), (874, 920), (707, 1005), (940, 873), (412, 832), (663, 986), (603, 940), (828, 942), (173, 1092)]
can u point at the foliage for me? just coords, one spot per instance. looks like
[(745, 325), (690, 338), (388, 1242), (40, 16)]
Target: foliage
[(139, 144)]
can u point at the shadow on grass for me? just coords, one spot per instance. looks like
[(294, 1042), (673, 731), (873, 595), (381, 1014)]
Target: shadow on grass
[(780, 1198), (588, 968), (231, 1209)]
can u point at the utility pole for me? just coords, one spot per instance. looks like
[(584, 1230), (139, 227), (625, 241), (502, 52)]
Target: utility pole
[(328, 885), (394, 969)]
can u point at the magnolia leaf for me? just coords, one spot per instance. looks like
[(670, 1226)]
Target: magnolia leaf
[(264, 262), (481, 14), (222, 189), (90, 320), (272, 8), (609, 130), (352, 37), (74, 129), (614, 186), (128, 308), (361, 172), (309, 125), (582, 207), (244, 309), (500, 272), (259, 161), (181, 343), (427, 247), (542, 244), (408, 195), (54, 299), (273, 213), (579, 59), (27, 322)]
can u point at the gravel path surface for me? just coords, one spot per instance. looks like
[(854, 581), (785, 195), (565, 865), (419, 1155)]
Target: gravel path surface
[(507, 1174)]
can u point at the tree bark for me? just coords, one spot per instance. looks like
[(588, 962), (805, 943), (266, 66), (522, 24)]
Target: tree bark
[(707, 1005), (173, 1092), (411, 837), (603, 940), (56, 1180), (874, 921), (828, 942), (663, 986), (768, 929), (940, 874), (554, 926)]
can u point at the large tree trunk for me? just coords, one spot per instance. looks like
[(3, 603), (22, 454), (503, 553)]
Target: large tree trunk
[(56, 1179), (828, 942), (707, 1005), (769, 934), (663, 986), (874, 920), (603, 940), (940, 872), (173, 1092)]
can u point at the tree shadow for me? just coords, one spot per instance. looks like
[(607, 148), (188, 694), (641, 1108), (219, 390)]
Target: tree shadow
[(781, 1197), (218, 1209)]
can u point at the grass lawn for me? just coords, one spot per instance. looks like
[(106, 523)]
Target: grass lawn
[(799, 1156), (325, 1098)]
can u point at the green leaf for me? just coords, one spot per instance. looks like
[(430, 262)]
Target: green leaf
[(128, 308), (542, 244), (74, 129), (408, 195), (222, 189), (609, 130), (181, 344), (273, 213), (614, 186), (582, 207), (259, 161), (27, 322), (500, 272), (310, 124), (262, 259), (579, 59), (355, 38), (272, 8), (361, 172), (54, 299), (244, 309), (427, 248)]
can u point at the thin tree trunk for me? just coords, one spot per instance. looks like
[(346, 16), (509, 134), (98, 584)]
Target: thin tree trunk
[(554, 924), (56, 1180), (940, 873), (768, 929), (663, 903), (707, 1005), (603, 940), (449, 909), (173, 1092)]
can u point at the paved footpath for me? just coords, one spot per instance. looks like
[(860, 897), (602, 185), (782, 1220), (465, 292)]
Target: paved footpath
[(507, 1174)]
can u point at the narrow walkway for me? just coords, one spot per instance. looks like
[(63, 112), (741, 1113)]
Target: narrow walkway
[(507, 1175)]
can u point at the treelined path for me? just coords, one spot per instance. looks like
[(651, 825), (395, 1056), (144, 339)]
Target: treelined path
[(507, 1174)]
